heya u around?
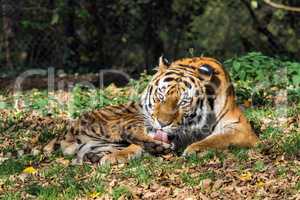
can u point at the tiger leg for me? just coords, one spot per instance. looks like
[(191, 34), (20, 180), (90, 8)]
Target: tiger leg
[(123, 156), (222, 141), (68, 145)]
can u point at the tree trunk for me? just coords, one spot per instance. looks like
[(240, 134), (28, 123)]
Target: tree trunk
[(8, 32), (72, 44)]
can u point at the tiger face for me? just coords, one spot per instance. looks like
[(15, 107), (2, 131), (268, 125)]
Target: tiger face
[(182, 97)]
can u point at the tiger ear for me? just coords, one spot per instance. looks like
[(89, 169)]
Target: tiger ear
[(163, 63)]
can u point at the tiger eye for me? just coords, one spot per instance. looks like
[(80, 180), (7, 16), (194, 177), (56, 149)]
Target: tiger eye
[(206, 70)]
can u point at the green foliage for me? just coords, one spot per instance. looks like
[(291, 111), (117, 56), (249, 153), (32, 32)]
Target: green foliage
[(141, 173), (204, 157), (259, 77), (191, 181), (140, 84), (11, 166), (264, 70), (133, 34), (12, 196), (291, 144), (240, 153), (259, 166), (188, 179)]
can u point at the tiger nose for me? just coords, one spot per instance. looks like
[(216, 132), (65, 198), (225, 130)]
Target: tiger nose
[(163, 124)]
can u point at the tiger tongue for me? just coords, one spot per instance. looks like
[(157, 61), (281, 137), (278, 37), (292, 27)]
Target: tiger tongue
[(161, 136)]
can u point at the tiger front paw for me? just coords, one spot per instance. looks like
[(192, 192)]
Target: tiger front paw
[(112, 159), (190, 150), (158, 147)]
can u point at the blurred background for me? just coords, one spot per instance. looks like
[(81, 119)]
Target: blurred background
[(89, 35)]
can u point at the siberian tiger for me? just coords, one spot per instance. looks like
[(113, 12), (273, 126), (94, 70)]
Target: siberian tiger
[(189, 103)]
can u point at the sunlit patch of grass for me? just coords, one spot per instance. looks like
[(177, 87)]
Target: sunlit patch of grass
[(43, 192), (104, 169), (191, 181), (136, 169), (121, 191), (11, 196), (256, 114), (272, 133), (187, 179), (259, 166), (205, 156), (15, 166), (207, 175), (46, 136), (298, 186), (240, 153), (291, 144), (52, 171), (10, 167), (281, 171)]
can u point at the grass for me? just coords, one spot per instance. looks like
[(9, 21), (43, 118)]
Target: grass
[(271, 165)]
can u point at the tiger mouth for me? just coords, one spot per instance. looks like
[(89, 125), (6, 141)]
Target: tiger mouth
[(163, 136)]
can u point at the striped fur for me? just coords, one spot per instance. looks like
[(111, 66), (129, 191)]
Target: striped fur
[(101, 133), (191, 100)]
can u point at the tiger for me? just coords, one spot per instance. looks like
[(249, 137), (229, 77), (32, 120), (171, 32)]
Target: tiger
[(189, 104), (113, 134)]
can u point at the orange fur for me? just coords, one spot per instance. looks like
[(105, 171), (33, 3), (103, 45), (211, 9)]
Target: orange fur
[(232, 128)]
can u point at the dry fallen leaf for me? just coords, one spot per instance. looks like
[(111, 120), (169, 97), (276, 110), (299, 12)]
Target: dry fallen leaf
[(94, 195), (29, 170), (63, 161), (247, 176), (260, 184)]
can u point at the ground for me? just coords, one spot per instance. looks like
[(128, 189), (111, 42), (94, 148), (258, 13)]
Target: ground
[(30, 119)]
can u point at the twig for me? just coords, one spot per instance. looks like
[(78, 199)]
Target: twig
[(283, 7)]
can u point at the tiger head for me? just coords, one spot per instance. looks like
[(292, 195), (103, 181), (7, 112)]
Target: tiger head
[(185, 96)]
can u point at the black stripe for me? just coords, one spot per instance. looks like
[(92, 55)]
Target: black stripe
[(168, 79), (173, 73), (210, 92), (215, 81), (187, 66), (191, 79), (187, 84)]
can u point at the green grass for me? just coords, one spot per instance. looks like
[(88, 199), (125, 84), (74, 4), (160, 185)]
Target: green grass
[(291, 145), (276, 158), (259, 166), (58, 181), (121, 191), (12, 196)]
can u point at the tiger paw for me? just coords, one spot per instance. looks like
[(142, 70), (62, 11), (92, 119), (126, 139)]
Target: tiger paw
[(158, 147), (112, 159), (189, 151), (122, 156), (116, 158)]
